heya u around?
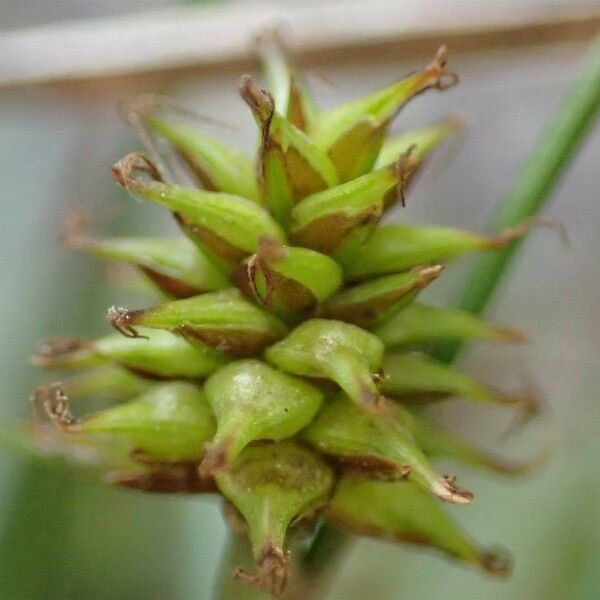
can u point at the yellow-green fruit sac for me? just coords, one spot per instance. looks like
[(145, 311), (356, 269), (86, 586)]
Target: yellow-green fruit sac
[(154, 354), (170, 422), (225, 226), (352, 133), (109, 381), (273, 485), (373, 302), (288, 281), (323, 220), (253, 401), (344, 353), (290, 166), (161, 354), (223, 320), (414, 377), (377, 445), (405, 513), (420, 323), (423, 141), (175, 266), (393, 248), (438, 443), (216, 166), (290, 95)]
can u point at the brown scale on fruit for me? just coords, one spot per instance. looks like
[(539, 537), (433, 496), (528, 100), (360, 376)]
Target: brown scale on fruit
[(281, 292), (406, 167), (296, 115), (171, 478), (419, 397), (283, 295), (361, 135), (239, 343), (215, 244), (146, 374), (327, 233), (365, 313), (198, 171), (371, 466), (172, 286)]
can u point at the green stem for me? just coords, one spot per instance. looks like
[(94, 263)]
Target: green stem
[(533, 187)]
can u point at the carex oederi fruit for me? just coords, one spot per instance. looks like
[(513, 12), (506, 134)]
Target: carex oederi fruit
[(286, 367)]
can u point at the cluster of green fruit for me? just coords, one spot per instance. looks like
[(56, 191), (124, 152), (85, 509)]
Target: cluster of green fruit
[(282, 372)]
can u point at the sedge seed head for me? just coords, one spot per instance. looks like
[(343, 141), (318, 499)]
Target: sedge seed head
[(280, 369)]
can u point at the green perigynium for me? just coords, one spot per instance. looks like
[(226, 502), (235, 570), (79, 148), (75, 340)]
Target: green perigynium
[(252, 402), (280, 371), (271, 486)]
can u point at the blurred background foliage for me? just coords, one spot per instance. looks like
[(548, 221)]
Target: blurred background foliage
[(63, 536)]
